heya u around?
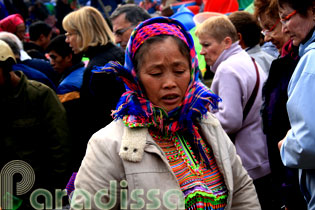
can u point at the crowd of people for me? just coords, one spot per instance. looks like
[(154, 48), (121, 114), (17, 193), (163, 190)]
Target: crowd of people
[(107, 104)]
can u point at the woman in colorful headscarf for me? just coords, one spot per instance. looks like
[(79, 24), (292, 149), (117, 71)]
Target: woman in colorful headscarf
[(164, 150), (14, 24)]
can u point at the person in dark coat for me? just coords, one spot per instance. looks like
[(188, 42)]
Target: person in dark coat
[(285, 186), (70, 68), (34, 131), (100, 92)]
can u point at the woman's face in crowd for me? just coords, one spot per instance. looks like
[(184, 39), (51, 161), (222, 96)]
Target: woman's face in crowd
[(20, 31), (211, 48), (165, 74), (71, 38), (296, 25), (273, 31)]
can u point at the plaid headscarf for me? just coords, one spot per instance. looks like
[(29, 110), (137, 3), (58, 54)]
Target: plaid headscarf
[(135, 107)]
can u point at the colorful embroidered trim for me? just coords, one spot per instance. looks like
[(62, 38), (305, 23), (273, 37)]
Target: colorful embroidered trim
[(202, 187)]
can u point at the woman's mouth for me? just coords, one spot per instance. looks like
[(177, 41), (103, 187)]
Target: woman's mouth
[(170, 98)]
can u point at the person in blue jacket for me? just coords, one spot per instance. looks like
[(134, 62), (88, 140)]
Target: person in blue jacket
[(71, 70), (68, 65), (297, 149)]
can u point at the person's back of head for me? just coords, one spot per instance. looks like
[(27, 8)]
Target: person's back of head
[(90, 26), (37, 29), (13, 45), (13, 37), (39, 11), (59, 45), (249, 29), (218, 27), (134, 13)]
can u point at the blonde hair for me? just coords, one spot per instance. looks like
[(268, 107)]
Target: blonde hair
[(218, 27), (90, 26)]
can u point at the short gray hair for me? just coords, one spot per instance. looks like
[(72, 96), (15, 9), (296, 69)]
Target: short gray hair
[(13, 41), (134, 13)]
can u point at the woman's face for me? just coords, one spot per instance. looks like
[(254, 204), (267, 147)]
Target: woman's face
[(20, 31), (165, 74), (295, 25), (71, 38), (211, 48), (273, 31)]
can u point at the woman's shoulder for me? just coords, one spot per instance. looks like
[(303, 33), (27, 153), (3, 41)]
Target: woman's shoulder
[(210, 118), (106, 53), (110, 134), (307, 61), (117, 138), (235, 59), (214, 134)]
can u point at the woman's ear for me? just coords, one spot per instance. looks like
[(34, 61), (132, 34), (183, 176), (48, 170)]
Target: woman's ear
[(227, 42), (240, 37)]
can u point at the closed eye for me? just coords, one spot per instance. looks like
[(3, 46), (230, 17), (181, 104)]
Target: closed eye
[(179, 71), (155, 74), (205, 44)]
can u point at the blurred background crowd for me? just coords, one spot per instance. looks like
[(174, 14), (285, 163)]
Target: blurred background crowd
[(60, 43)]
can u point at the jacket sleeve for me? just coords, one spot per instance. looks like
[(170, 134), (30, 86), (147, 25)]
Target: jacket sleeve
[(100, 173), (227, 85), (57, 141), (244, 193), (297, 150)]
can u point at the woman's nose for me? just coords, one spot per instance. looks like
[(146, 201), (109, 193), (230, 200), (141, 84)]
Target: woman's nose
[(284, 28), (67, 39), (202, 51), (169, 81)]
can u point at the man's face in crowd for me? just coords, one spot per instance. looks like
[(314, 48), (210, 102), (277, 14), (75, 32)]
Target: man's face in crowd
[(122, 30), (59, 63)]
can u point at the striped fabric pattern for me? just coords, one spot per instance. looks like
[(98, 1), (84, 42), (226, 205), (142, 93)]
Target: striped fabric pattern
[(202, 187), (155, 29)]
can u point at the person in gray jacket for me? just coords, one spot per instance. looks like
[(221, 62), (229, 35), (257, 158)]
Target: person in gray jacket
[(165, 150), (249, 34)]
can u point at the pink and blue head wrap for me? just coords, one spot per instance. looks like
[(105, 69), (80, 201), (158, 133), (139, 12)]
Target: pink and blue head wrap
[(135, 107)]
